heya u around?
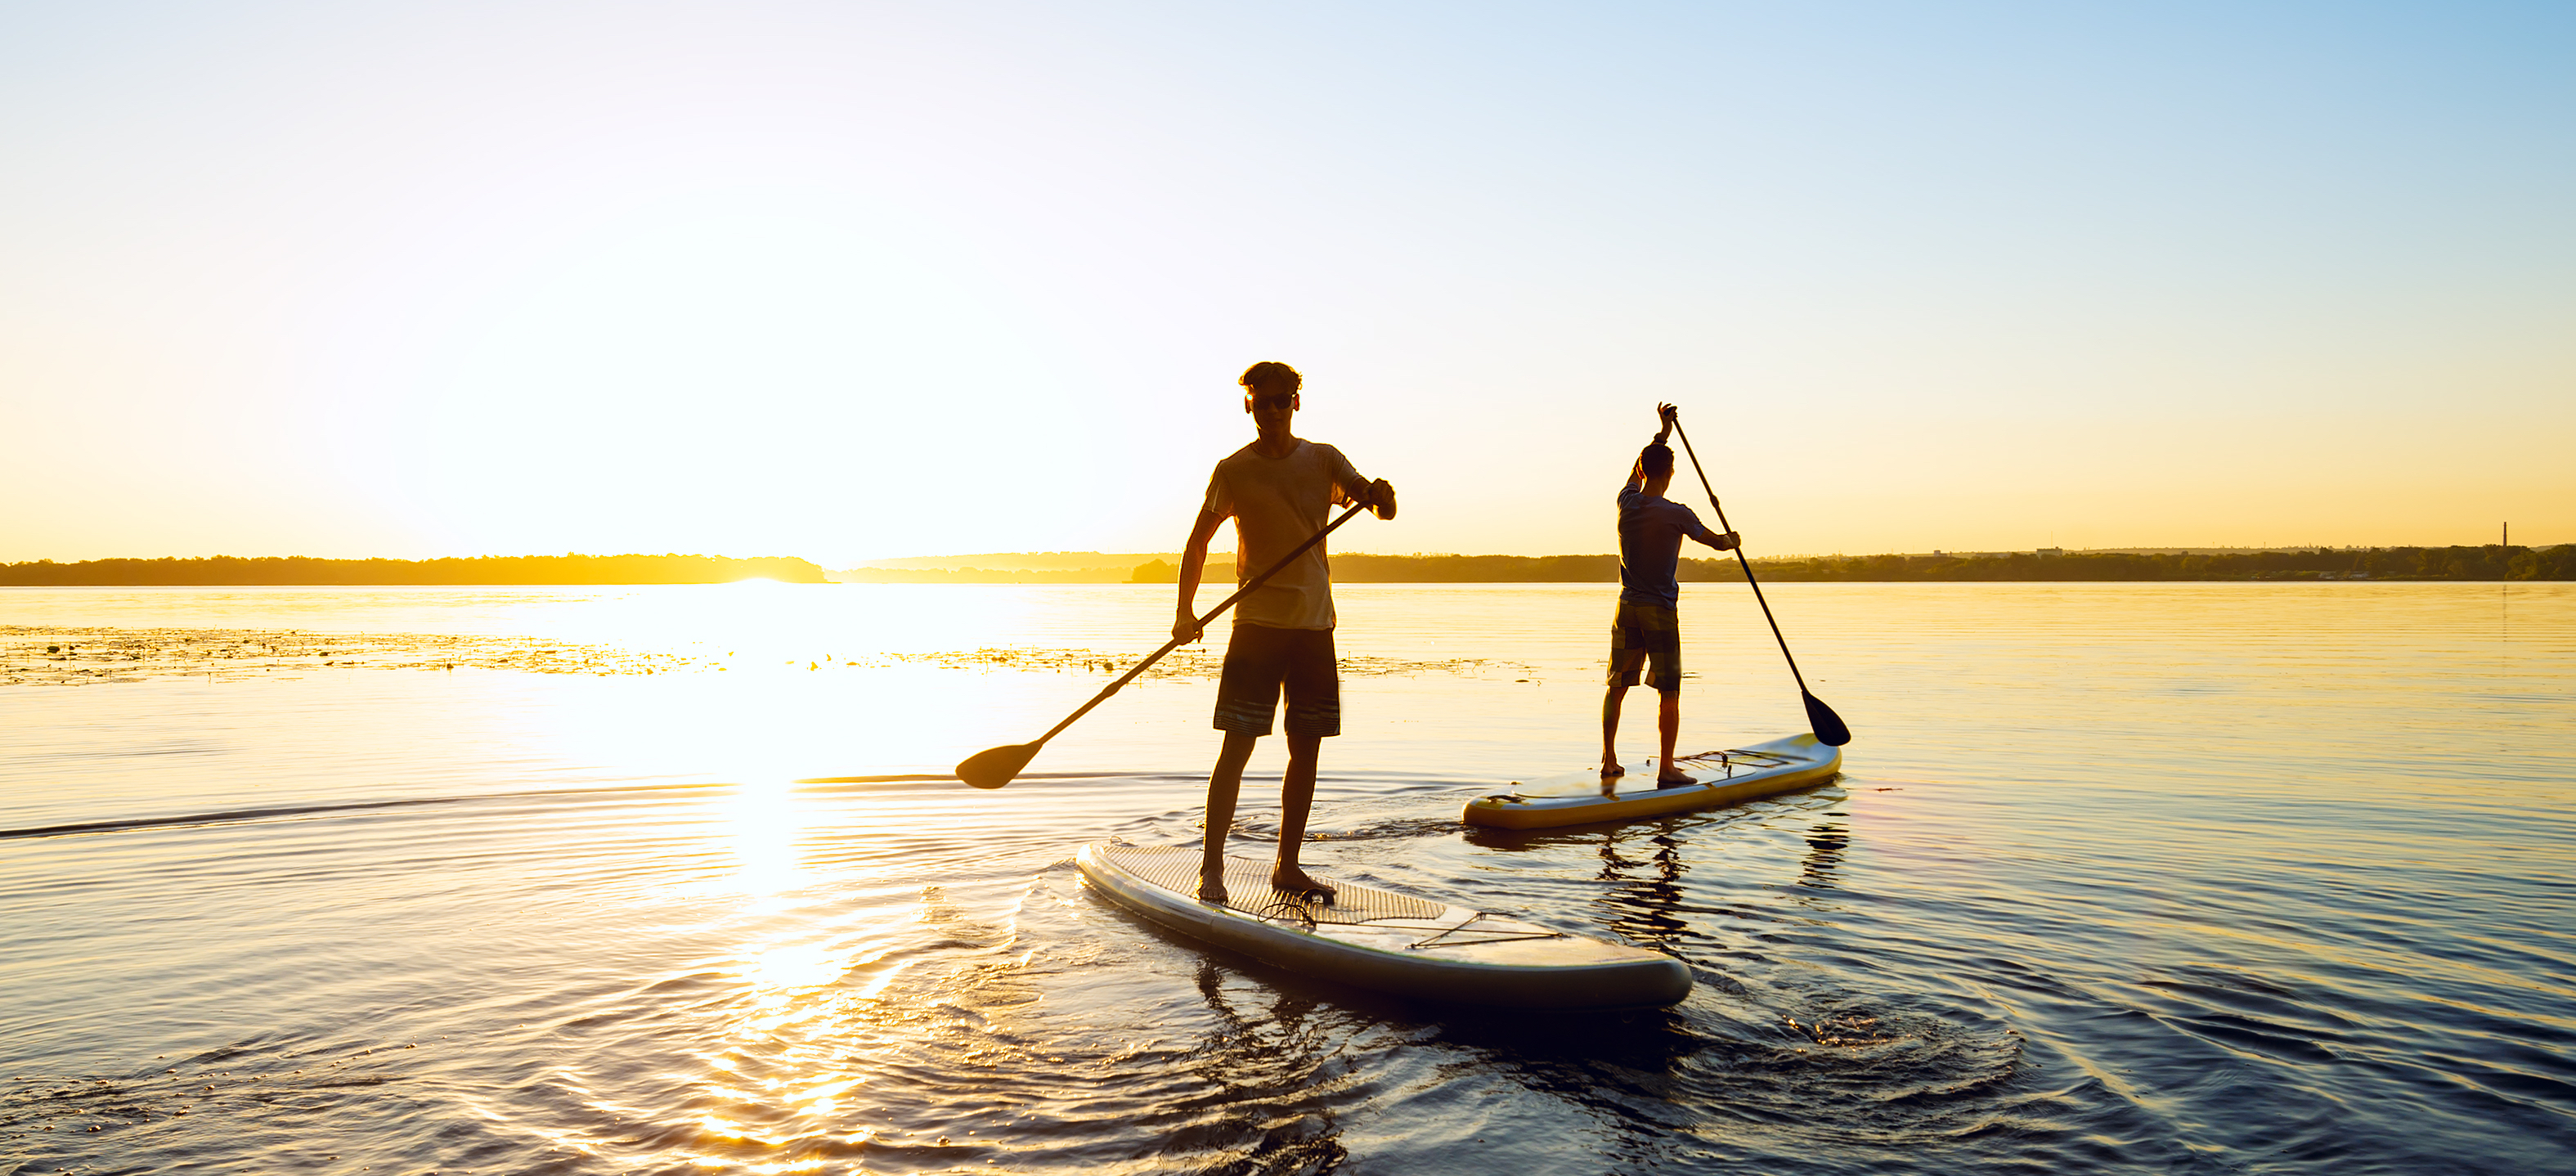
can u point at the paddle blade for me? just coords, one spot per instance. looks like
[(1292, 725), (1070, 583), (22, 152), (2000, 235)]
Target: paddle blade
[(1821, 719), (994, 767)]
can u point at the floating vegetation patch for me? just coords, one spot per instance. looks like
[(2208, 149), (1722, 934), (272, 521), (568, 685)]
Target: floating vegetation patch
[(1197, 661), (1186, 662), (76, 657), (79, 657)]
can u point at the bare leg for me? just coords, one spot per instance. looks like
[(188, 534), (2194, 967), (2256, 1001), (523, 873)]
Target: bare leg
[(1296, 796), (1224, 783), (1610, 700), (1668, 723)]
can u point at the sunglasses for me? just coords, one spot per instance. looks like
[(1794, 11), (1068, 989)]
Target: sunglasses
[(1276, 400)]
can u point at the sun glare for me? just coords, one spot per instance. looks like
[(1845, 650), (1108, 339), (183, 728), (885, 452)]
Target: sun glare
[(763, 823), (795, 966)]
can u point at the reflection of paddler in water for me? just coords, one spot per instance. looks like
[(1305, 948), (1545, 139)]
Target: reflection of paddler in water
[(1647, 631), (1264, 1065), (1278, 490), (1646, 904), (1825, 845)]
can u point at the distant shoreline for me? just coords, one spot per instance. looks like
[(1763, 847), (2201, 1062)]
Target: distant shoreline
[(2490, 562), (478, 571)]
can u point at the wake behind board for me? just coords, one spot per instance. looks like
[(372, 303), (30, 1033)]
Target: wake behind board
[(1724, 777), (1380, 939)]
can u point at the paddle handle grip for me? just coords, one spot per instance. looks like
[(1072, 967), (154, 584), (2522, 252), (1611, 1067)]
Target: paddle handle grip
[(1201, 622)]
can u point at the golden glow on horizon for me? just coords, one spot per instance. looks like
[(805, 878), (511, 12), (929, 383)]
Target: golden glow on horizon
[(781, 283)]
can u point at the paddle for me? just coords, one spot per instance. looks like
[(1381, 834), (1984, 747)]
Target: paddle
[(994, 767), (1821, 719)]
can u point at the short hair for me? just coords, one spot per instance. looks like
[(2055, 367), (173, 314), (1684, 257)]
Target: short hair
[(1658, 458), (1270, 375)]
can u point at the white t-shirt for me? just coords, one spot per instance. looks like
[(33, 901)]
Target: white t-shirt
[(1277, 503)]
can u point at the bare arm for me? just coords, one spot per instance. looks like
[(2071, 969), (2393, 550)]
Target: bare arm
[(1637, 471), (1193, 565), (1667, 414), (1380, 499), (1378, 496)]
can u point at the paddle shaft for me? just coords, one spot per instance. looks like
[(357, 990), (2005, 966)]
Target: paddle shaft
[(1201, 623), (1746, 564)]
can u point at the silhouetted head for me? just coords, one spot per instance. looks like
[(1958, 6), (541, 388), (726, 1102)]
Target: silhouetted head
[(1270, 394), (1270, 375), (1658, 460)]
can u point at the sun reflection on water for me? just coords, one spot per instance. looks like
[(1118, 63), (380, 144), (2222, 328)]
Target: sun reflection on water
[(790, 1071), (786, 1072), (763, 823)]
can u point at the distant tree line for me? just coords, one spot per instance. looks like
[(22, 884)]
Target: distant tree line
[(2377, 563), (1102, 575), (1475, 569), (1163, 571), (283, 571), (2491, 562)]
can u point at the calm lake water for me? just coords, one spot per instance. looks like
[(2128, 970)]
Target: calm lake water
[(2123, 878)]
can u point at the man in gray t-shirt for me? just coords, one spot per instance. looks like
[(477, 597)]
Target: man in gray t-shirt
[(1651, 530), (1278, 490)]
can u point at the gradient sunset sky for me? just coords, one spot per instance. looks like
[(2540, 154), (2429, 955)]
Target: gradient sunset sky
[(851, 280)]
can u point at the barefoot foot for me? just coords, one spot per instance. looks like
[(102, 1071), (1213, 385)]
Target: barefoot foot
[(1212, 889), (1675, 781), (1291, 880)]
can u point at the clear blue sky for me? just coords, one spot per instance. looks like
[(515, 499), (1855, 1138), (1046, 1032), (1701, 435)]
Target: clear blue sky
[(862, 280)]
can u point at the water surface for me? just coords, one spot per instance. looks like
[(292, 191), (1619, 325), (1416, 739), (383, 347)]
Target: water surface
[(2155, 878)]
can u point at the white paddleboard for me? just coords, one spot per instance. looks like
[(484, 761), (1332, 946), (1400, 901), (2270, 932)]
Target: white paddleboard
[(1720, 777), (1380, 939)]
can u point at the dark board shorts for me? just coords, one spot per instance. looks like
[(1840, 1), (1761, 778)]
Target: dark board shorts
[(1651, 630), (1260, 661)]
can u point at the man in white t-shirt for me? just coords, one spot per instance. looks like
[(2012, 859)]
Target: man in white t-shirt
[(1278, 490)]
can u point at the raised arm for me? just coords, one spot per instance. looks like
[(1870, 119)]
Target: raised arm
[(1194, 564), (1637, 469)]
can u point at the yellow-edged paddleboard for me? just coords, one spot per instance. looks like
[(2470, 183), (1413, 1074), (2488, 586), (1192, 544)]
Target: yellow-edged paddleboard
[(1724, 777), (1384, 940)]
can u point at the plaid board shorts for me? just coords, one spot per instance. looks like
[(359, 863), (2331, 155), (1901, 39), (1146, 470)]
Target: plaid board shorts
[(1260, 661), (1655, 631)]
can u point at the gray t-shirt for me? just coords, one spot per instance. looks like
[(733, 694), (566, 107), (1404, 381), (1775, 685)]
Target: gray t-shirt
[(1651, 530), (1276, 503)]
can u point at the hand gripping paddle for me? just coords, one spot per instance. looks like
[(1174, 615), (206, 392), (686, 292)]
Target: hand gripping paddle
[(995, 767)]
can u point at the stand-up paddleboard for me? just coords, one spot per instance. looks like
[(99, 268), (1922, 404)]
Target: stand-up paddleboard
[(1372, 938), (1725, 777)]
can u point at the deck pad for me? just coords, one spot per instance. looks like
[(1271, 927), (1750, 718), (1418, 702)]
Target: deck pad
[(1380, 939), (1705, 768), (1247, 888), (1719, 777)]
